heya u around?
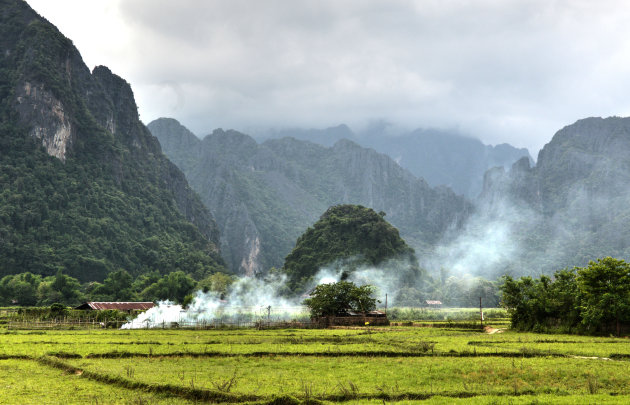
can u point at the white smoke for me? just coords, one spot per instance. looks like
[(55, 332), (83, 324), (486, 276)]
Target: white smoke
[(249, 300), (487, 244), (387, 278)]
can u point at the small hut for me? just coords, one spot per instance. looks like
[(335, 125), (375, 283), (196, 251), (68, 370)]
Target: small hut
[(433, 303), (119, 306)]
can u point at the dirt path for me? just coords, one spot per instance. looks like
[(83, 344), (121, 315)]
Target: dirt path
[(490, 330)]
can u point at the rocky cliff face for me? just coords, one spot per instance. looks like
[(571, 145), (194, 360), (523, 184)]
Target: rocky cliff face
[(576, 197), (47, 117), (440, 157), (265, 195), (88, 121)]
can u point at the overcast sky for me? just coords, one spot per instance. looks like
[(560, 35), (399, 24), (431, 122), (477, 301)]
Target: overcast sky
[(503, 71)]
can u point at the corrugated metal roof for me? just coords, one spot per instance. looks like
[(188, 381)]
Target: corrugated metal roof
[(121, 306)]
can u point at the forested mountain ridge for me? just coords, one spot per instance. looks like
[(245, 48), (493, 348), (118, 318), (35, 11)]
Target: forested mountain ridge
[(265, 195), (440, 157), (85, 186), (572, 206)]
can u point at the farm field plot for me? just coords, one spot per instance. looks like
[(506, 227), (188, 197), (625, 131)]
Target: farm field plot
[(28, 382), (393, 364)]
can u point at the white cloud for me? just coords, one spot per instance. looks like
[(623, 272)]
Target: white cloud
[(505, 71)]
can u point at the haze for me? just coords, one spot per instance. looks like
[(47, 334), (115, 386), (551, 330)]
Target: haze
[(502, 71)]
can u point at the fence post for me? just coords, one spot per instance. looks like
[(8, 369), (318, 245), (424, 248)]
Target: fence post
[(480, 312)]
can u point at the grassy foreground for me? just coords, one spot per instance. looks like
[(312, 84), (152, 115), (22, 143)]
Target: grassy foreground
[(399, 364)]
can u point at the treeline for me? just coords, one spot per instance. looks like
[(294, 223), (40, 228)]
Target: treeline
[(592, 300), (27, 289)]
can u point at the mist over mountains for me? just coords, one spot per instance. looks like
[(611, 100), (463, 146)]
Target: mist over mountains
[(566, 210), (573, 206), (440, 157), (265, 195)]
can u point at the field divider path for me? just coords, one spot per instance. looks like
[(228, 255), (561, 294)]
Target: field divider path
[(195, 394), (15, 357), (121, 355)]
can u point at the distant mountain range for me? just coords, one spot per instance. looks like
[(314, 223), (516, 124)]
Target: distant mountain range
[(265, 195), (438, 156), (566, 210)]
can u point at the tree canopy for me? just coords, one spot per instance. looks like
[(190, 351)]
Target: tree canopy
[(592, 299), (335, 299), (351, 234)]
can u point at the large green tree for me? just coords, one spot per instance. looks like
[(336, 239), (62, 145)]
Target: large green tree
[(174, 286), (605, 288), (339, 298)]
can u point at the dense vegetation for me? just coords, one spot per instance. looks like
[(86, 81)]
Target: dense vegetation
[(347, 236), (593, 299), (115, 202), (27, 289)]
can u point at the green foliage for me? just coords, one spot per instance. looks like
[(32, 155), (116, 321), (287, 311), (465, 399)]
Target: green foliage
[(174, 286), (605, 292), (217, 282), (348, 234), (19, 289), (593, 299), (60, 289), (26, 289), (118, 286), (542, 304), (58, 309), (337, 299)]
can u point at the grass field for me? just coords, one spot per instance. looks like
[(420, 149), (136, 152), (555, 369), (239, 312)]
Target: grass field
[(449, 363)]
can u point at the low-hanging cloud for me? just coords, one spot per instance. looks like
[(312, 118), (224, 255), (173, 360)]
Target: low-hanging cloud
[(503, 71)]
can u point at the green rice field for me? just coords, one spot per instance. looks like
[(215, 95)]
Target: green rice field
[(440, 362)]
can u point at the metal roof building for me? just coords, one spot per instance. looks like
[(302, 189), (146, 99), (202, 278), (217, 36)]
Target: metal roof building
[(120, 306)]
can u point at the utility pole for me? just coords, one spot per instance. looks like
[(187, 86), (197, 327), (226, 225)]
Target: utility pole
[(386, 304), (480, 312)]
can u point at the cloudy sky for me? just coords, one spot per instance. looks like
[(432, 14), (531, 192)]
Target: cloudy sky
[(503, 71)]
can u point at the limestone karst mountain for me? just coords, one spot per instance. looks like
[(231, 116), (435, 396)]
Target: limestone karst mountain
[(265, 195), (85, 187), (441, 157), (573, 206)]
